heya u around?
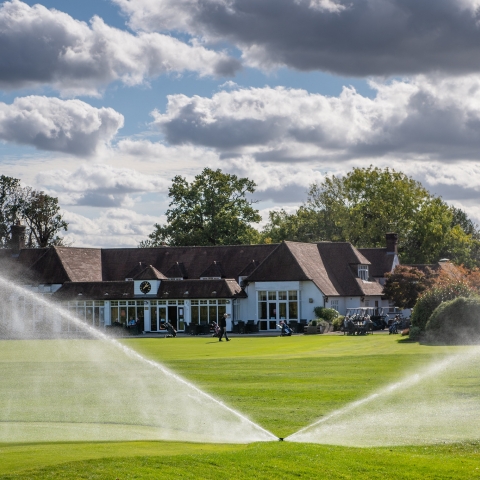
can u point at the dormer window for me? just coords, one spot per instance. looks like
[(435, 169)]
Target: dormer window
[(363, 272)]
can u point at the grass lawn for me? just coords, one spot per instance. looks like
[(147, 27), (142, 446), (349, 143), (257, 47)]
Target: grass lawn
[(283, 384)]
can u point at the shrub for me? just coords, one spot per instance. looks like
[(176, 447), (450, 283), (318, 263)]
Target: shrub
[(433, 297), (456, 321), (337, 323), (328, 314), (312, 323), (415, 333)]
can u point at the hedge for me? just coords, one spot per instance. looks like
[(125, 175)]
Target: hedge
[(455, 322)]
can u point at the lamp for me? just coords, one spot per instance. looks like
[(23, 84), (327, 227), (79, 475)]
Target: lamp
[(325, 299), (362, 299)]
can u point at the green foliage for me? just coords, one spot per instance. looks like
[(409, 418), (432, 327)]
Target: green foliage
[(338, 323), (415, 333), (436, 295), (212, 210), (455, 322), (312, 323), (328, 314), (42, 215), (404, 285), (39, 211), (10, 193), (366, 203)]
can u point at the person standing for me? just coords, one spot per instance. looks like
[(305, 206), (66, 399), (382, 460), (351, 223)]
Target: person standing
[(223, 328)]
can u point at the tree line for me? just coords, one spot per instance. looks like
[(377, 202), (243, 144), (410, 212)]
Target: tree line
[(39, 212), (217, 208)]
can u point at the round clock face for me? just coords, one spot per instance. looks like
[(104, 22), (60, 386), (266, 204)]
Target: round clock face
[(145, 287)]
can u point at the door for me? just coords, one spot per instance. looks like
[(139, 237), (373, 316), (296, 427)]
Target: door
[(173, 316)]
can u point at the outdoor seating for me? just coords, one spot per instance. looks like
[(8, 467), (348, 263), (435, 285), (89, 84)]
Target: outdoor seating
[(241, 326), (251, 327), (301, 325)]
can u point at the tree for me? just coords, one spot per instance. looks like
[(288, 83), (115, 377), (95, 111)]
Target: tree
[(212, 210), (41, 213), (405, 284), (10, 194), (366, 203)]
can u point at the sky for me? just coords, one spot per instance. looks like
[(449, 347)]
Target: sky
[(103, 102)]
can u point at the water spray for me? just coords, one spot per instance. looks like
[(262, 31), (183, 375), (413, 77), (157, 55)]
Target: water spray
[(225, 424)]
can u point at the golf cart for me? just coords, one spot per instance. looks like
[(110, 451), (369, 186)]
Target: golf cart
[(378, 319)]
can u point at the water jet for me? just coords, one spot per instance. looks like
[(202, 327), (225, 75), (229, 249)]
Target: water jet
[(96, 388)]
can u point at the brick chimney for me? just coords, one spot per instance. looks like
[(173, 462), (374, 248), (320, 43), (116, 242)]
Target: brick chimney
[(18, 237), (392, 242)]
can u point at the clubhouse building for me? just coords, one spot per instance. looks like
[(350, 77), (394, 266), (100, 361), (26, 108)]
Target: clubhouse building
[(190, 287)]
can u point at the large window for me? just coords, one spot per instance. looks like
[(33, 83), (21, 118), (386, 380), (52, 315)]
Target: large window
[(205, 312), (91, 312), (275, 306)]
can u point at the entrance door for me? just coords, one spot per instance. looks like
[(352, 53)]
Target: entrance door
[(173, 316)]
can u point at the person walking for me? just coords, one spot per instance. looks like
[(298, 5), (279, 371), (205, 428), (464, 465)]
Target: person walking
[(223, 328)]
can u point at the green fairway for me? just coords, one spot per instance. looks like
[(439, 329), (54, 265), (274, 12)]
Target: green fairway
[(283, 384)]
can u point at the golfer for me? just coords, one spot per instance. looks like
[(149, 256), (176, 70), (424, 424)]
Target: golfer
[(223, 328)]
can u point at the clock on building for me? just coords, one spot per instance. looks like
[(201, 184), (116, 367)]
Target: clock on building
[(145, 287)]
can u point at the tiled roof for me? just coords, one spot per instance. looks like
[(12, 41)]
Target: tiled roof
[(213, 270), (138, 268), (49, 269), (233, 258), (67, 264), (328, 265), (249, 269), (150, 273), (446, 267), (177, 270), (95, 291), (381, 261), (225, 288)]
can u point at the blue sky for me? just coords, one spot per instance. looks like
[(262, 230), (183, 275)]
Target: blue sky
[(104, 101)]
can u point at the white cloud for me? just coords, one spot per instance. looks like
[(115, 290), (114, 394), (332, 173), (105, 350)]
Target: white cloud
[(100, 185), (48, 47), (113, 228), (69, 126), (438, 118), (359, 38)]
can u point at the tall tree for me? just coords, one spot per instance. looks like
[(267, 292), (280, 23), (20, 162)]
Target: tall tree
[(211, 210), (44, 221), (368, 202), (10, 195)]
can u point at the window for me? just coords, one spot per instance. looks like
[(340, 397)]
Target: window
[(334, 304), (363, 272), (207, 311), (274, 306)]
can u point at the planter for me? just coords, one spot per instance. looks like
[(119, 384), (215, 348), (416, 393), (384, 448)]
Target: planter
[(317, 329)]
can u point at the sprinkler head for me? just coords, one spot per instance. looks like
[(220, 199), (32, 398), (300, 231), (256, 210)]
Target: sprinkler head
[(280, 439)]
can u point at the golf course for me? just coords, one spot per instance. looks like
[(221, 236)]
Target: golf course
[(281, 384)]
